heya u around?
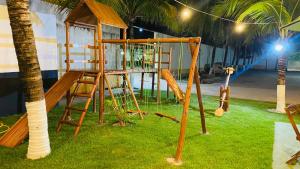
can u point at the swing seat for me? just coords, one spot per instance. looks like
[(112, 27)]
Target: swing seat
[(291, 111)]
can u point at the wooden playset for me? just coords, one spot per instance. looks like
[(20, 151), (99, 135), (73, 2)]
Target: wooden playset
[(292, 110), (91, 15), (224, 94)]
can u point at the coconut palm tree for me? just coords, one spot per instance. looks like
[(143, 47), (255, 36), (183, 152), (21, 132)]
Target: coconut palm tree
[(153, 11), (31, 78), (275, 13)]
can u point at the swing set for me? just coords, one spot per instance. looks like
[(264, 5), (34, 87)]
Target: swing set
[(92, 15)]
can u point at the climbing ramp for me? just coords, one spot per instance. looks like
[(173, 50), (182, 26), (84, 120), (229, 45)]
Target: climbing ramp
[(166, 74), (19, 131)]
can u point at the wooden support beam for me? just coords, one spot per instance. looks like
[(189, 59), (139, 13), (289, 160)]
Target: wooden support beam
[(101, 69), (199, 95), (153, 74), (143, 74), (95, 68), (82, 46), (155, 40), (178, 156), (67, 46), (124, 66), (159, 75), (169, 68)]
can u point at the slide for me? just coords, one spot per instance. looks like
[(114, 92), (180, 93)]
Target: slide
[(19, 131), (166, 74)]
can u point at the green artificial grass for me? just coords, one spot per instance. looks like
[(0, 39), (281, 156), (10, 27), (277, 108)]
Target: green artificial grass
[(242, 138)]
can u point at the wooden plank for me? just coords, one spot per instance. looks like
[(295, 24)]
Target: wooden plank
[(155, 40), (101, 68), (67, 45), (159, 75), (199, 95), (186, 104), (19, 131)]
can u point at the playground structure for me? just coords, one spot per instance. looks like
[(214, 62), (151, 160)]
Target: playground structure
[(91, 15), (224, 94)]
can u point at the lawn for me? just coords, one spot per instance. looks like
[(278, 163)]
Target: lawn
[(243, 138)]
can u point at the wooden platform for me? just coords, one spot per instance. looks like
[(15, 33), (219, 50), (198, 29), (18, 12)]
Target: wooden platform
[(19, 131)]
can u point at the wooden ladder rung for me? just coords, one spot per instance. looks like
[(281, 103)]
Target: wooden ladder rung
[(90, 74), (76, 109), (69, 122), (82, 94), (86, 82)]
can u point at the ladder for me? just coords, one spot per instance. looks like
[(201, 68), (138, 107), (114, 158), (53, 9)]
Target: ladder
[(66, 117)]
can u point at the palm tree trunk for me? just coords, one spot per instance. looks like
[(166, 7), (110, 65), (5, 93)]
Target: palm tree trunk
[(234, 56), (31, 78), (281, 84), (281, 79), (213, 57)]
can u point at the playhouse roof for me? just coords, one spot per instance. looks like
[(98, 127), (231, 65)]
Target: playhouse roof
[(89, 11)]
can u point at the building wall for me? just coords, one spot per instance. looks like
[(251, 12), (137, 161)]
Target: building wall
[(49, 32)]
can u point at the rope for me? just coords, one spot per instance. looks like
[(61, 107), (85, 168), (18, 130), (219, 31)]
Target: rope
[(2, 125), (224, 19)]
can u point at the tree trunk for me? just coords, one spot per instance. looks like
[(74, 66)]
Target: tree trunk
[(244, 55), (237, 61), (281, 78), (31, 78), (234, 56), (131, 31), (225, 56), (281, 84), (213, 57)]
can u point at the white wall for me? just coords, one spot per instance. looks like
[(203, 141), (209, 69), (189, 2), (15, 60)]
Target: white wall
[(44, 26)]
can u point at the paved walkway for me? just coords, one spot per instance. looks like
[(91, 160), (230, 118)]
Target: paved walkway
[(285, 145), (253, 85)]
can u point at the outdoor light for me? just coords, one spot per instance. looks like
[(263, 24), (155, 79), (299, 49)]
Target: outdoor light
[(122, 52), (141, 29), (278, 47), (186, 13), (239, 28)]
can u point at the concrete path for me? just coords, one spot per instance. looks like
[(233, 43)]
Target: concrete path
[(285, 145), (253, 85)]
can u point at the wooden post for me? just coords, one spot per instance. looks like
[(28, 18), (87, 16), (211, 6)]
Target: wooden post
[(124, 68), (67, 46), (199, 95), (186, 105), (101, 69), (68, 94), (153, 74), (169, 67), (143, 74), (96, 58), (159, 74)]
